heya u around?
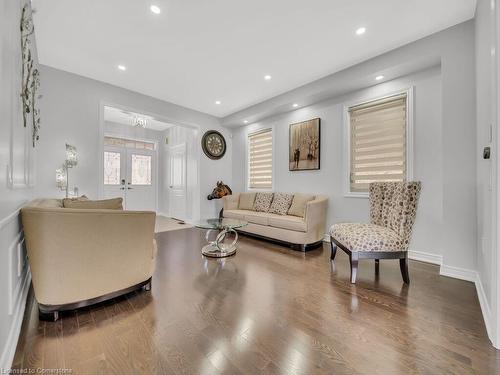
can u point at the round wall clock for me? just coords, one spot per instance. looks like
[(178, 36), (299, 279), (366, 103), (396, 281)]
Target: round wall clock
[(213, 144)]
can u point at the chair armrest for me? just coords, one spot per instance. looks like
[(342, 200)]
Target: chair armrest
[(231, 201), (316, 215)]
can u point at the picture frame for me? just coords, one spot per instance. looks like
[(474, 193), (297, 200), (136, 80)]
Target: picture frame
[(304, 145)]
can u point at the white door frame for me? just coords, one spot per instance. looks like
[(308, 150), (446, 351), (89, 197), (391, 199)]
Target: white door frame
[(159, 117)]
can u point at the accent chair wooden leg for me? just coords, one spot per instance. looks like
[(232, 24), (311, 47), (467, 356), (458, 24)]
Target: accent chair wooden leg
[(403, 264), (353, 259), (377, 265), (334, 250)]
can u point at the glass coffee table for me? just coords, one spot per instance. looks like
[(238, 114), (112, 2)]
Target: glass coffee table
[(224, 228)]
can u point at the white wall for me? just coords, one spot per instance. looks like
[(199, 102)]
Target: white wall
[(330, 178), (14, 275), (70, 110), (445, 147), (486, 104)]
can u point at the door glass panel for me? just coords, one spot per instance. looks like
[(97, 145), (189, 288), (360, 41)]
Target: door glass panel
[(141, 169), (111, 168)]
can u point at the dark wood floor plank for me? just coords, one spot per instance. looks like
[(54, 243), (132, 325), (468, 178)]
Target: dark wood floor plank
[(269, 310)]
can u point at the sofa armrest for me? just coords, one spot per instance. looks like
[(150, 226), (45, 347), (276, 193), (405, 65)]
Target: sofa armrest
[(231, 201), (316, 215)]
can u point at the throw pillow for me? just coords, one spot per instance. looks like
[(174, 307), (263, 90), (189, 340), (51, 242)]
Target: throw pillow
[(107, 204), (281, 203), (77, 199), (298, 207), (263, 202), (246, 201)]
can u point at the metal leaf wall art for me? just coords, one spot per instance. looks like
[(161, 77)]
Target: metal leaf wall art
[(30, 76)]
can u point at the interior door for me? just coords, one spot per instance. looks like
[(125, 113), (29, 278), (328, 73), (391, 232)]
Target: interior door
[(140, 180), (114, 170), (177, 181)]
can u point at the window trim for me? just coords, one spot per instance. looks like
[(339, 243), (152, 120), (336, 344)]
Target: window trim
[(347, 137), (247, 158)]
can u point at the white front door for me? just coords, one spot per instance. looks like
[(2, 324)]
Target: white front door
[(177, 181), (141, 181), (130, 174)]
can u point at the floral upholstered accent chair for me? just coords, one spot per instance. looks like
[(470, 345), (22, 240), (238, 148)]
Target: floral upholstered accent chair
[(393, 207)]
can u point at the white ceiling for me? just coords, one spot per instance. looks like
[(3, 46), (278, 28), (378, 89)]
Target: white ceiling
[(123, 117), (198, 51)]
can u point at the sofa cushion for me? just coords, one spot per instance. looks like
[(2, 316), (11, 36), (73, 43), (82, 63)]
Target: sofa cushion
[(263, 202), (298, 207), (281, 203), (366, 237), (288, 222), (246, 201), (257, 217), (235, 214), (108, 204)]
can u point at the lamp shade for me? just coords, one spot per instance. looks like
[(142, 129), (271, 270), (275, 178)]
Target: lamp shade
[(71, 156)]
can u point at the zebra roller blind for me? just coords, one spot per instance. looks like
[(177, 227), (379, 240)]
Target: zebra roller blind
[(378, 142), (260, 157)]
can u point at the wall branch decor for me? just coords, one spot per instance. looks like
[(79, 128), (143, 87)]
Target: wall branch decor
[(30, 76)]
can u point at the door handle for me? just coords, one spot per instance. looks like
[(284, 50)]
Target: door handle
[(122, 188), (129, 188)]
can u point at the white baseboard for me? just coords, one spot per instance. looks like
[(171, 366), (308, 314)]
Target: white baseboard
[(485, 307), (9, 350), (458, 273), (422, 256)]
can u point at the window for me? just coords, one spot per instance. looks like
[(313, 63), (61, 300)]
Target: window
[(128, 143), (111, 168), (378, 142), (260, 160), (141, 169)]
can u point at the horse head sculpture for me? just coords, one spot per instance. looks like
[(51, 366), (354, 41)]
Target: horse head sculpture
[(221, 190)]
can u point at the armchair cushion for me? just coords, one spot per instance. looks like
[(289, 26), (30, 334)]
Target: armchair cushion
[(366, 237)]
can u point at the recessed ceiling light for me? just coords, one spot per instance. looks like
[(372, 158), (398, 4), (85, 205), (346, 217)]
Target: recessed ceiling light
[(122, 67), (155, 9), (245, 122), (217, 102), (295, 105), (361, 31), (267, 77), (378, 78)]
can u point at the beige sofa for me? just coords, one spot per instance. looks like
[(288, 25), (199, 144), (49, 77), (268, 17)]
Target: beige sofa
[(302, 232), (82, 256)]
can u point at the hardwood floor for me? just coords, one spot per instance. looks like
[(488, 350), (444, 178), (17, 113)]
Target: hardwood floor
[(269, 310)]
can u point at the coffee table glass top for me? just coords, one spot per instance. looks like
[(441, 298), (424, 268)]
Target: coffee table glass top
[(224, 223)]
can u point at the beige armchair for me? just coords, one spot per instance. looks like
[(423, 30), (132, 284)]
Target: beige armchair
[(79, 257), (393, 207)]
